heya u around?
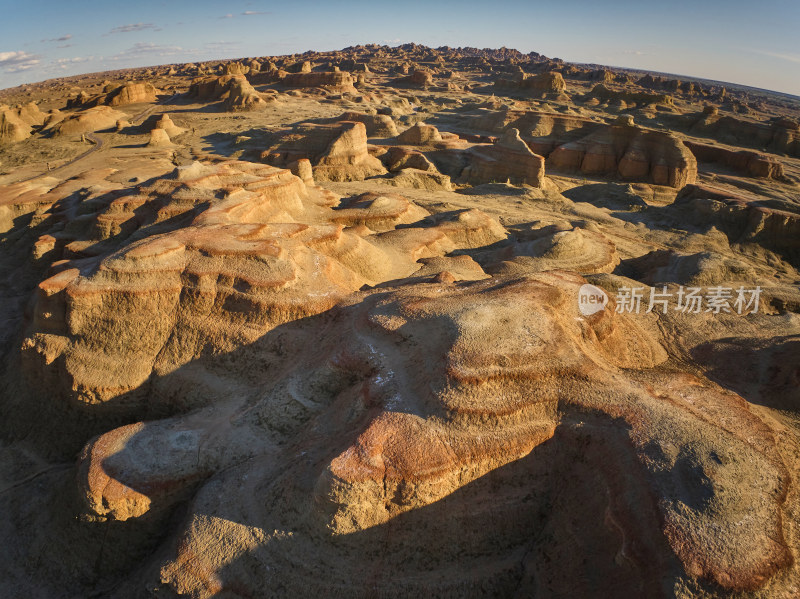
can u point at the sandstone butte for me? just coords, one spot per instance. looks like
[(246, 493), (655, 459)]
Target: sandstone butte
[(310, 325)]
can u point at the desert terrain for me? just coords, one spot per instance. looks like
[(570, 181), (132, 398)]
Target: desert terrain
[(317, 325)]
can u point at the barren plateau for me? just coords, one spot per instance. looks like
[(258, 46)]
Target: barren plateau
[(317, 325)]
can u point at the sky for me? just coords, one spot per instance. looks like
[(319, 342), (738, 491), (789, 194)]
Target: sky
[(750, 43)]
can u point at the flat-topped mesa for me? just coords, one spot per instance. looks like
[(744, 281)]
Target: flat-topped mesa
[(543, 84), (578, 144), (744, 218), (745, 162), (542, 131), (632, 153), (606, 95), (338, 151), (509, 160), (672, 85), (210, 88), (782, 135), (331, 81)]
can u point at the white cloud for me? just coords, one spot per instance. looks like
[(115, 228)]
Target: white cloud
[(249, 13), (220, 46), (65, 63), (146, 49), (14, 62), (780, 55), (72, 60), (228, 16), (132, 27)]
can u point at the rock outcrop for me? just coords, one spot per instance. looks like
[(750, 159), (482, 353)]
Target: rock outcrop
[(158, 138), (88, 121), (234, 91), (271, 250), (576, 144), (413, 450), (167, 125), (745, 162), (578, 250), (626, 98), (236, 68), (332, 81), (417, 78), (421, 179), (398, 157), (509, 160), (338, 151), (420, 135), (743, 218), (542, 84), (632, 153), (131, 93), (782, 135), (16, 124), (241, 96), (378, 125)]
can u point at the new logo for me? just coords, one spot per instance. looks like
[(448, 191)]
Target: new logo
[(591, 299)]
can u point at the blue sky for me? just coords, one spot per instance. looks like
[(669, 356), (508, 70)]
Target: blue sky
[(753, 43)]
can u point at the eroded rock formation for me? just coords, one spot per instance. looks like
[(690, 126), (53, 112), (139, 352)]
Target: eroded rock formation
[(378, 125), (751, 164), (16, 123), (392, 358), (542, 84), (509, 160), (235, 92), (333, 81), (631, 153), (131, 93), (338, 151), (87, 121)]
